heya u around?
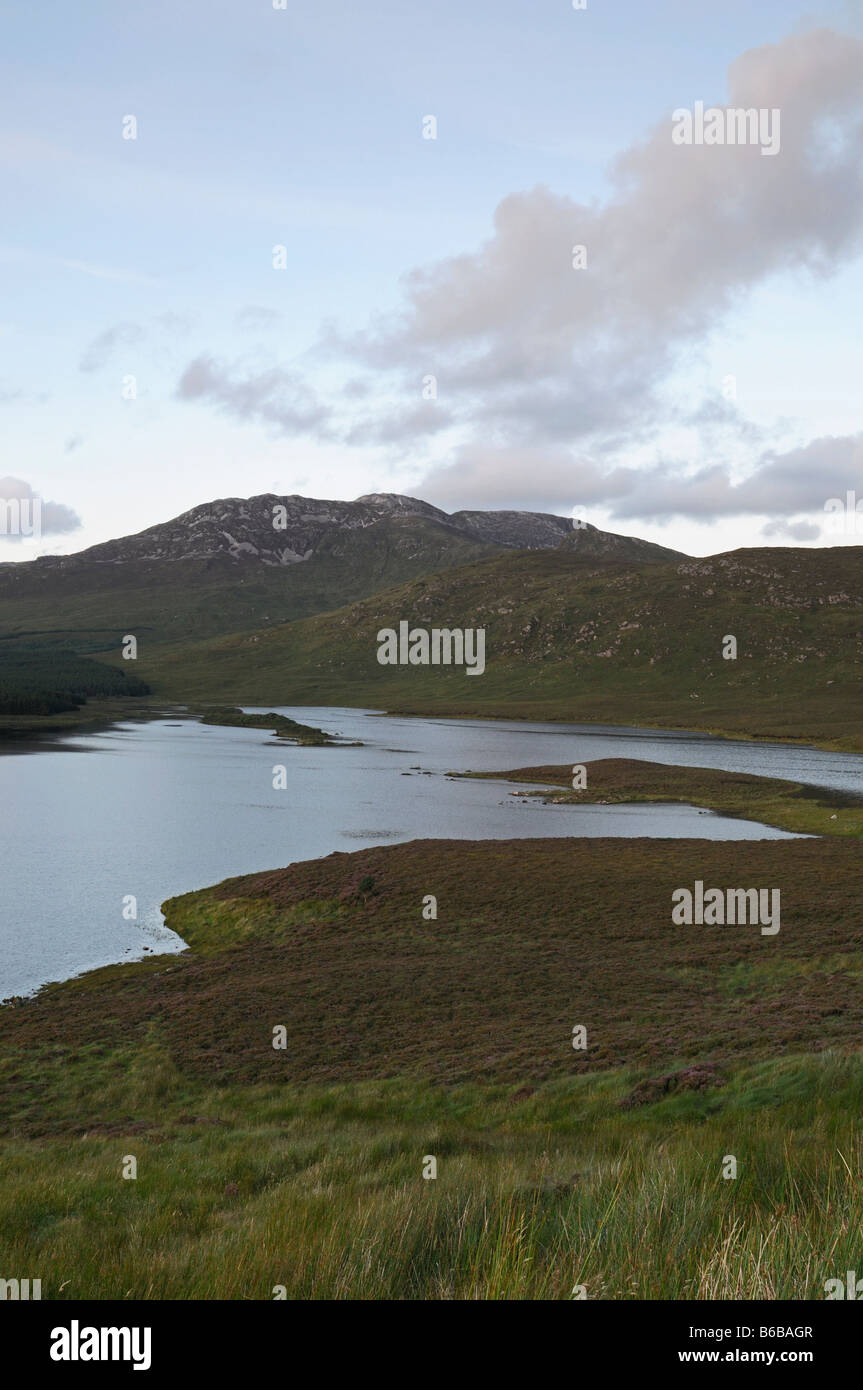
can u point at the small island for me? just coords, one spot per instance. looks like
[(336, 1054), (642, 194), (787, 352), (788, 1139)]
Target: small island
[(304, 735)]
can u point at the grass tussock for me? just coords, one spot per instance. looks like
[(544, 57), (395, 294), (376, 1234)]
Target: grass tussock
[(321, 1190)]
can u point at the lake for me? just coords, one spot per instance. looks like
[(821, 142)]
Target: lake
[(158, 808)]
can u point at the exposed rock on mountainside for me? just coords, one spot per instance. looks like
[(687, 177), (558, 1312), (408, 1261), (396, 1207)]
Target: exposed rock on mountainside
[(277, 530), (518, 530), (225, 567)]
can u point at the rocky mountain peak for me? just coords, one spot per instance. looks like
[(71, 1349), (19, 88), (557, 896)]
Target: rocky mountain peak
[(269, 529)]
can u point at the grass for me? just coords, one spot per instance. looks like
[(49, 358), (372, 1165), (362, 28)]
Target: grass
[(581, 642), (302, 1167), (182, 598), (576, 640), (321, 1190), (532, 938)]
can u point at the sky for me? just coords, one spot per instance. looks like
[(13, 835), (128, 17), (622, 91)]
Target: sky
[(330, 249)]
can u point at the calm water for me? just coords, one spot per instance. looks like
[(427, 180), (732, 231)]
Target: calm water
[(165, 807)]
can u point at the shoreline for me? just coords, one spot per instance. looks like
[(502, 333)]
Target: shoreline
[(800, 809), (56, 727)]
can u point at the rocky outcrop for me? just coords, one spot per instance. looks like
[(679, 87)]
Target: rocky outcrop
[(515, 530)]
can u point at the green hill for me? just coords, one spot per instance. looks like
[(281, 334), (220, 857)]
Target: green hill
[(94, 603), (572, 639), (239, 563)]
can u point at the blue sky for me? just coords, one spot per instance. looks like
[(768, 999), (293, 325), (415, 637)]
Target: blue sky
[(302, 127)]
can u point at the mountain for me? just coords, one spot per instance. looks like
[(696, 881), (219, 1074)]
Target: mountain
[(267, 530), (581, 624), (273, 530), (580, 639), (240, 563)]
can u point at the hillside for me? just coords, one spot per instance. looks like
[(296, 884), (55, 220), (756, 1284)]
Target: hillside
[(225, 567), (568, 638), (172, 597)]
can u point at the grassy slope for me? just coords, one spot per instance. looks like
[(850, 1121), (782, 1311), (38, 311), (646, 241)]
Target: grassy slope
[(186, 600), (90, 609), (405, 1038), (568, 640)]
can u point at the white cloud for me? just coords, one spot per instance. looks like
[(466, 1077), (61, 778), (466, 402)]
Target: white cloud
[(780, 486), (55, 518), (521, 341), (273, 396)]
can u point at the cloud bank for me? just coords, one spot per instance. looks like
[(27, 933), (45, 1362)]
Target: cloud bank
[(546, 358), (55, 518), (525, 343)]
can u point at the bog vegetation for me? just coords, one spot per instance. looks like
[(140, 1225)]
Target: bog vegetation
[(301, 1167)]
